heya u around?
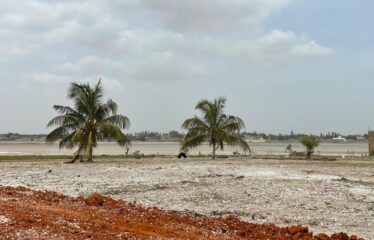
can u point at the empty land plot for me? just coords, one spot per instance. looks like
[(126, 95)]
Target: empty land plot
[(326, 196)]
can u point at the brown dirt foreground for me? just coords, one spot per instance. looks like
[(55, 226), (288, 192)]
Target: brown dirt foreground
[(28, 214)]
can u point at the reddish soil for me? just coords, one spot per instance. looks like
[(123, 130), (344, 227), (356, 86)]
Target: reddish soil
[(27, 214)]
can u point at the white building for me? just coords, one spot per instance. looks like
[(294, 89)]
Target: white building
[(339, 139)]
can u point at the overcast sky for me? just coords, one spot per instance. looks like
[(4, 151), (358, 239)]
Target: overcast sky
[(284, 65)]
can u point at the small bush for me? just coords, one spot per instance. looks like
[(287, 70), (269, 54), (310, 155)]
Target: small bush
[(310, 144)]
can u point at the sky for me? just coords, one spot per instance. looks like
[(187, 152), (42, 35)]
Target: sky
[(283, 65)]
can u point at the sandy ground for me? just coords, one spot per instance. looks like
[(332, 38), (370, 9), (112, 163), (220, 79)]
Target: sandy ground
[(327, 196)]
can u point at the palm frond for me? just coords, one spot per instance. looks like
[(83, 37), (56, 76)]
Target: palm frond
[(118, 120), (57, 134), (235, 140), (109, 131), (194, 123), (71, 140), (67, 119), (192, 141), (64, 109)]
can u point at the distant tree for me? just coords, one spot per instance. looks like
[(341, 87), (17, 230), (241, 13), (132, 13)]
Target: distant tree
[(89, 121), (175, 134), (214, 126), (310, 143)]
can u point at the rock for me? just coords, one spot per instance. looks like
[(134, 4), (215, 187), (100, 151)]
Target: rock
[(297, 229)]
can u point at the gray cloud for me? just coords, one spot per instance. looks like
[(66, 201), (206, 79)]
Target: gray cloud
[(206, 47), (212, 15)]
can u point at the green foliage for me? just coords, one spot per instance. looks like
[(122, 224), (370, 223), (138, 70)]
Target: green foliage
[(214, 127), (89, 121), (310, 143)]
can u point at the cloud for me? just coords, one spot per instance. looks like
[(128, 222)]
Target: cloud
[(92, 38), (12, 20), (154, 66), (67, 30), (312, 49), (167, 56), (76, 31), (90, 64), (109, 84), (140, 41), (166, 66), (280, 43), (211, 15), (56, 82), (98, 34), (17, 49), (41, 15), (85, 23), (276, 45), (46, 79)]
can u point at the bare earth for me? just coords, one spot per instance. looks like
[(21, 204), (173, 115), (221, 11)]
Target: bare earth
[(326, 196)]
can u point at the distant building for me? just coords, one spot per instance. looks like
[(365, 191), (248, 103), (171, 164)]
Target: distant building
[(339, 139), (255, 139), (360, 138)]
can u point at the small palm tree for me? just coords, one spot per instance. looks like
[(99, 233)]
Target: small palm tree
[(310, 144), (89, 121), (214, 127)]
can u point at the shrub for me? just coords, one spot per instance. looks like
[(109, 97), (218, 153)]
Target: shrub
[(310, 144)]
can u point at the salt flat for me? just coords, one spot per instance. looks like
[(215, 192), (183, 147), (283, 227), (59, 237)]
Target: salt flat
[(327, 196)]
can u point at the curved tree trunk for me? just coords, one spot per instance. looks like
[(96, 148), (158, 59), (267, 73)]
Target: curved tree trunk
[(78, 155), (73, 160)]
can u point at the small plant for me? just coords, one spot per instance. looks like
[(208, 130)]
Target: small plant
[(290, 151), (310, 144)]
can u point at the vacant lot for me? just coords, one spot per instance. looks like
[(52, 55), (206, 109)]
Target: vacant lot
[(327, 196)]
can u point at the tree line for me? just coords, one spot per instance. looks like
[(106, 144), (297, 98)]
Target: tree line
[(144, 136)]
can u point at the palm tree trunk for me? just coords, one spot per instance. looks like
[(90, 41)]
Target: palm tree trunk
[(214, 150), (90, 151)]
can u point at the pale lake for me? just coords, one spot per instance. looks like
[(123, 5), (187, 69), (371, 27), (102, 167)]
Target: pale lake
[(172, 148)]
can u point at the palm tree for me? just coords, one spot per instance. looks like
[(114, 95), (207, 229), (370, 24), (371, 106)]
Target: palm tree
[(89, 121), (214, 127)]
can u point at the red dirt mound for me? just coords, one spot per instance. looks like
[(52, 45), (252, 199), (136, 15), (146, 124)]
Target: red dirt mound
[(27, 214)]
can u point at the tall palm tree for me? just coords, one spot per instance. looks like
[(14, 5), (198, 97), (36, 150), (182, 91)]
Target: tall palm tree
[(214, 127), (89, 121)]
